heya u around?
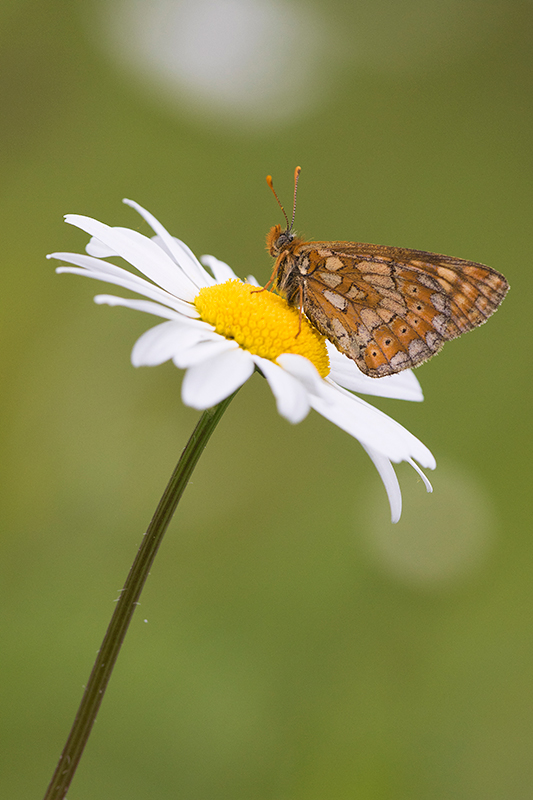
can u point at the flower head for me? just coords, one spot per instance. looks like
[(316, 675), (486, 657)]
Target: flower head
[(220, 329)]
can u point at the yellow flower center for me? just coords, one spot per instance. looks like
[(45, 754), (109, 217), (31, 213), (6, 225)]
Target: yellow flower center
[(261, 322)]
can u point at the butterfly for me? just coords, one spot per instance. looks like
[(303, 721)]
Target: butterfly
[(387, 308)]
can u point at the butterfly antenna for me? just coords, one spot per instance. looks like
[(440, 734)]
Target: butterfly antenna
[(296, 176), (271, 185)]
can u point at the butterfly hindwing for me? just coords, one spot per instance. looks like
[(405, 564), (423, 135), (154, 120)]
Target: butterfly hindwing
[(391, 308)]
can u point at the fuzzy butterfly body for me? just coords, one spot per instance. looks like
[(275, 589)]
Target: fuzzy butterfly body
[(387, 308)]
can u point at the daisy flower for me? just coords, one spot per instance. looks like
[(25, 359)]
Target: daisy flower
[(221, 329)]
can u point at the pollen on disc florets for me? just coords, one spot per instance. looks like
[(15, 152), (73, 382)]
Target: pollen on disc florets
[(261, 322)]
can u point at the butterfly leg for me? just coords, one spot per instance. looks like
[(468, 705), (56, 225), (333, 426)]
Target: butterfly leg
[(301, 307), (270, 282)]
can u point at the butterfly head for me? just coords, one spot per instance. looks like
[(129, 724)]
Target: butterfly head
[(278, 240)]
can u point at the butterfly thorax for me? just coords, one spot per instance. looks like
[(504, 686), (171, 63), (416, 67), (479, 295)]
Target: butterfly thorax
[(289, 268)]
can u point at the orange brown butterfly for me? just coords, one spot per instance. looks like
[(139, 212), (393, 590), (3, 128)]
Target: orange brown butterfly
[(387, 308)]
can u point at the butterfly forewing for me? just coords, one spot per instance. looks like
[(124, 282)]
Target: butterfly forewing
[(387, 308)]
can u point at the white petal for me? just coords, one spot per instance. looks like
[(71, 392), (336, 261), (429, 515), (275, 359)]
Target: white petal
[(163, 342), (210, 382), (302, 369), (141, 252), (92, 264), (98, 249), (292, 398), (402, 386), (390, 481), (252, 281), (370, 426), (204, 350), (200, 279), (222, 271), (121, 277), (138, 305), (179, 251), (427, 484)]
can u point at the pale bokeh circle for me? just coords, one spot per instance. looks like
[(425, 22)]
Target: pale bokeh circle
[(442, 538), (251, 61)]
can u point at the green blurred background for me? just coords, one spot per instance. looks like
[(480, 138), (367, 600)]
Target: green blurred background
[(291, 644)]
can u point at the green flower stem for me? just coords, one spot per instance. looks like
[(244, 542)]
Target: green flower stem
[(127, 602)]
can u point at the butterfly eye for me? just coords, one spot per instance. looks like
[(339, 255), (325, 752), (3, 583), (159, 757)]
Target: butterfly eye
[(284, 238)]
